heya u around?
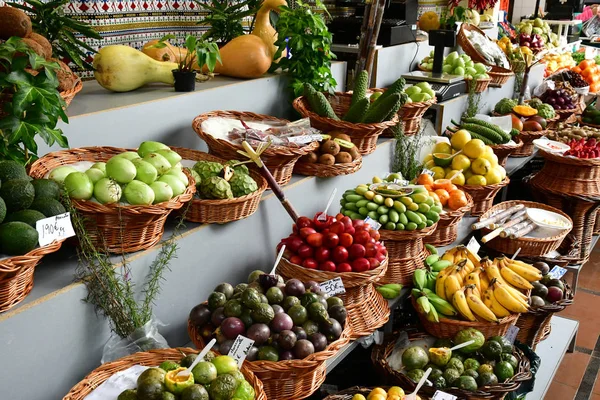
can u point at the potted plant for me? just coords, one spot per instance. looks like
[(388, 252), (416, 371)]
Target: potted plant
[(30, 104), (225, 18), (197, 55)]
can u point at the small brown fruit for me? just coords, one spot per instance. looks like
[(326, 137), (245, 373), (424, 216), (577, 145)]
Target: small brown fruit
[(14, 22), (310, 158), (66, 78), (354, 152), (330, 147), (343, 136), (327, 159), (343, 157), (35, 46), (42, 41)]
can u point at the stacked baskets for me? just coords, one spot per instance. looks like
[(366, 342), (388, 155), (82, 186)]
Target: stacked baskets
[(114, 227), (363, 135), (151, 358), (447, 227), (483, 196), (279, 160), (503, 151)]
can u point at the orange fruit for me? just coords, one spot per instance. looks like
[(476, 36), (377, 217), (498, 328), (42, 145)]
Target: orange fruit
[(428, 187), (587, 72), (441, 184), (443, 195), (425, 179), (577, 70), (457, 199)]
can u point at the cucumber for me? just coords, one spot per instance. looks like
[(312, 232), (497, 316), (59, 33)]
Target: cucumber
[(429, 222), (361, 190), (394, 216), (433, 216), (353, 198), (422, 225), (358, 111), (413, 217), (372, 206), (343, 202), (411, 226), (406, 200), (361, 84), (413, 207), (422, 216), (399, 207), (400, 227), (378, 112), (383, 210), (403, 219), (436, 209), (323, 108), (423, 208), (378, 199), (348, 213), (373, 215), (356, 216)]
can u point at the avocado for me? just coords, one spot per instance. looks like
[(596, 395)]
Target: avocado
[(18, 194), (10, 170), (150, 389), (155, 374), (223, 387), (17, 238), (2, 210), (46, 188), (30, 217), (47, 206), (194, 392)]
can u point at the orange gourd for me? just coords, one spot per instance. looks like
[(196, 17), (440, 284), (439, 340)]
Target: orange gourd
[(169, 53)]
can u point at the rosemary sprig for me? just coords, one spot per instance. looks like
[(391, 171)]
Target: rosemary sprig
[(473, 100), (406, 153)]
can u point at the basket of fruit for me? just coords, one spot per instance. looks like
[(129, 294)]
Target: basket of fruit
[(456, 204), (406, 217), (564, 99), (484, 369), (154, 373), (487, 295), (336, 155), (225, 190), (347, 252), (294, 326), (223, 132), (353, 114), (533, 120), (23, 202), (543, 230), (378, 393), (548, 296), (483, 195), (120, 220)]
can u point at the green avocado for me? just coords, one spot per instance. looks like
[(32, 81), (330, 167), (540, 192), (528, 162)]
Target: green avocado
[(30, 217), (17, 238)]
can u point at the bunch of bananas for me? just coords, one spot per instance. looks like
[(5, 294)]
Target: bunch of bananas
[(390, 291)]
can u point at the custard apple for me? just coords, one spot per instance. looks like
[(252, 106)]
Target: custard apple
[(546, 111), (207, 169), (194, 175), (535, 103), (242, 184), (215, 188), (242, 168)]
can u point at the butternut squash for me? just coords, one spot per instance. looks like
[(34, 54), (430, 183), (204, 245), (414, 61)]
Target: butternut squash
[(123, 68), (169, 53)]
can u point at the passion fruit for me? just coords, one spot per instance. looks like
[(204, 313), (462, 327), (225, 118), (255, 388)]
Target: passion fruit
[(177, 383)]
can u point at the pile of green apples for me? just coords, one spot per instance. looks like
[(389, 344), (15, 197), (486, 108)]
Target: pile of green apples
[(422, 91), (458, 64)]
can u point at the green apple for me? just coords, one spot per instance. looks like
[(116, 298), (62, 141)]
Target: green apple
[(421, 97), (423, 85), (452, 57), (480, 68), (447, 69), (459, 71), (412, 90), (429, 91), (470, 71), (459, 63)]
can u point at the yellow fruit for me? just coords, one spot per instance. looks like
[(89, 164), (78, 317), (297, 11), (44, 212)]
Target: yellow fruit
[(490, 156), (396, 390), (502, 171), (428, 157), (458, 177), (429, 164), (477, 180), (438, 173), (493, 177), (377, 179), (393, 397), (481, 166), (461, 162), (474, 148), (460, 138), (442, 147), (430, 20), (378, 390), (377, 397), (468, 173), (358, 397)]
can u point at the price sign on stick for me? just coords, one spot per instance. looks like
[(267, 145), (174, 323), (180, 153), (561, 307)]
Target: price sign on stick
[(54, 228), (473, 245), (240, 348), (428, 172), (557, 272), (439, 395), (511, 333), (516, 253), (333, 286), (372, 223), (323, 215)]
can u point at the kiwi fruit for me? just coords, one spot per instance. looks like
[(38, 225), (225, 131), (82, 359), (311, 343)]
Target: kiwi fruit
[(354, 152), (13, 22), (310, 158), (330, 147), (327, 159), (342, 136), (343, 157), (66, 77), (42, 41)]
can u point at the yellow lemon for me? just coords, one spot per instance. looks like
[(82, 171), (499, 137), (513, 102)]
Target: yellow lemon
[(493, 177), (481, 166), (396, 390), (446, 170), (502, 171), (358, 397), (477, 180), (474, 148), (490, 156), (438, 173), (429, 164), (377, 179), (377, 397), (461, 162), (377, 391), (456, 177), (468, 173), (460, 138), (428, 157), (442, 147), (393, 397)]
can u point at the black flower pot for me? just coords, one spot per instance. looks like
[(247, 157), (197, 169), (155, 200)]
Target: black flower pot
[(185, 81)]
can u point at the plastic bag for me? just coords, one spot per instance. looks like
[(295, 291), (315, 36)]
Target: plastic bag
[(143, 338), (117, 383), (541, 89)]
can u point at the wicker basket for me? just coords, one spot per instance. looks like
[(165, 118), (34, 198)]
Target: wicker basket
[(527, 137), (503, 151), (447, 227), (447, 328), (69, 95), (221, 211), (151, 358), (481, 85), (410, 115), (530, 246), (16, 275), (534, 324), (564, 115), (569, 175), (364, 136), (348, 394), (367, 309), (289, 379), (483, 196), (381, 353), (406, 253), (327, 171), (116, 228), (597, 224), (278, 159)]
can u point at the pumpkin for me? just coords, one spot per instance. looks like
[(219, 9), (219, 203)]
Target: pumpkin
[(239, 62), (169, 53), (524, 111), (123, 68)]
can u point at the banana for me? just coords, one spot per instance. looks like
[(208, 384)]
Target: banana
[(431, 248), (460, 302), (492, 270), (433, 316), (490, 301), (416, 293), (527, 271), (388, 293), (483, 280), (451, 286), (470, 266), (462, 270), (460, 255), (474, 258), (432, 259), (506, 299), (440, 265), (439, 283), (442, 306), (449, 255), (420, 278), (515, 279), (431, 277), (473, 279), (393, 286), (478, 307), (423, 305)]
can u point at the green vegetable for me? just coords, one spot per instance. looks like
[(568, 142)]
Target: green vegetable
[(324, 109), (546, 111), (505, 106), (360, 88), (505, 136), (357, 112), (488, 133), (378, 113)]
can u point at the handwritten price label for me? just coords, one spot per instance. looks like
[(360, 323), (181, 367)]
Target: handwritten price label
[(428, 172), (372, 223), (511, 333), (240, 348), (473, 245), (557, 272), (54, 228), (439, 395), (333, 286)]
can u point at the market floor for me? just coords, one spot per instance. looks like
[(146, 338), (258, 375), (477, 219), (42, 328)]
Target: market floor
[(578, 374)]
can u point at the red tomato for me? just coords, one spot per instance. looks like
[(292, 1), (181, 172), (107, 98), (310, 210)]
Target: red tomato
[(350, 230), (310, 263), (327, 266), (373, 262), (380, 257), (356, 251), (304, 222), (375, 234), (296, 260), (346, 240), (360, 265), (358, 222), (347, 221), (362, 237), (331, 240), (344, 267), (320, 225), (315, 239), (339, 216), (294, 243), (305, 251), (322, 254), (304, 232), (339, 254), (337, 228), (370, 250)]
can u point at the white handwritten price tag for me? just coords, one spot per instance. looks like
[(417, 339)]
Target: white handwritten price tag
[(240, 348), (372, 223), (557, 272), (511, 333), (54, 228), (428, 172), (333, 286), (473, 245), (439, 395)]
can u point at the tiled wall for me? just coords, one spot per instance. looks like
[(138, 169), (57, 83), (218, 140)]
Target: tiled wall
[(524, 7)]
